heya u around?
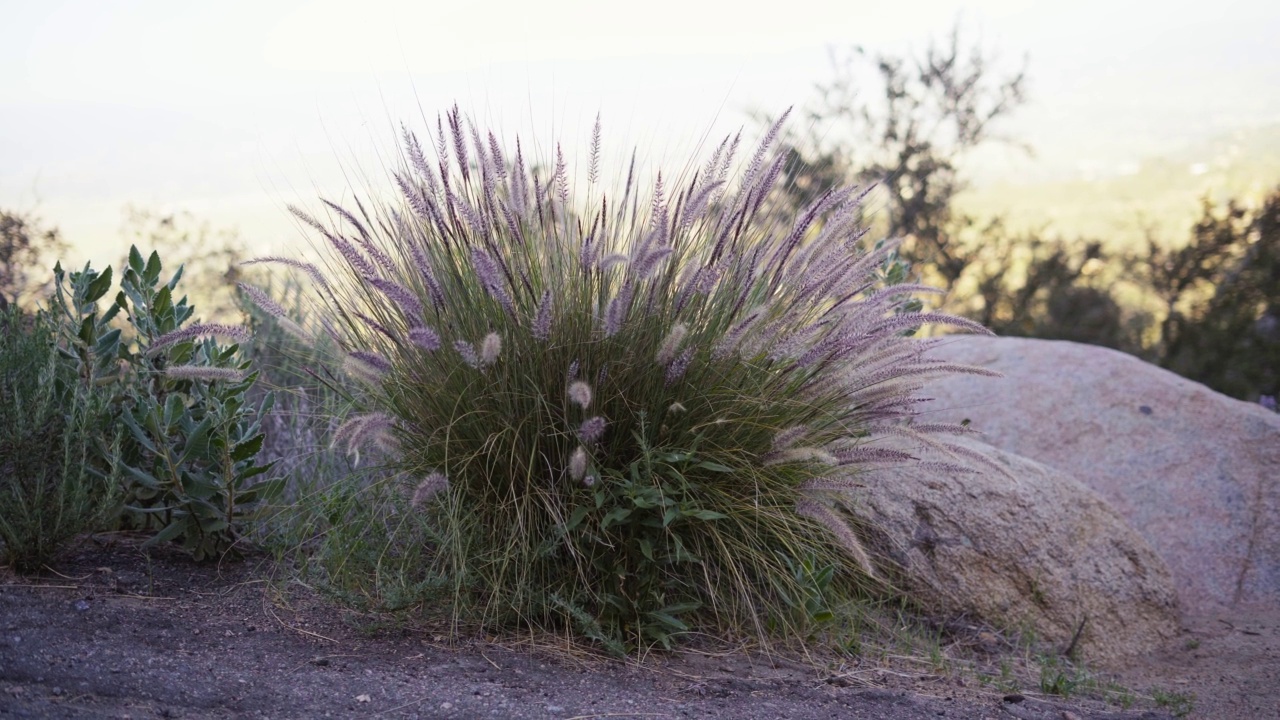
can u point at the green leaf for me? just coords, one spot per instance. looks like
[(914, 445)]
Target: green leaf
[(197, 442), (106, 346), (138, 433), (151, 273), (575, 518), (714, 467), (646, 548), (99, 287), (142, 476), (644, 502), (670, 515), (173, 530), (135, 259), (174, 409), (214, 525), (248, 448), (253, 471), (706, 514), (670, 621), (87, 329), (681, 608), (265, 490), (162, 307), (173, 281), (614, 517), (199, 488), (109, 315)]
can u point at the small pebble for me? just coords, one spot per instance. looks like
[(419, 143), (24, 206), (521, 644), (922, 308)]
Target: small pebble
[(81, 606)]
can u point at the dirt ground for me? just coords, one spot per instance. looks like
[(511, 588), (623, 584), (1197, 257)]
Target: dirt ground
[(112, 632)]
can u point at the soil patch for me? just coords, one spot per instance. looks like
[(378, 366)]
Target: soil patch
[(113, 632)]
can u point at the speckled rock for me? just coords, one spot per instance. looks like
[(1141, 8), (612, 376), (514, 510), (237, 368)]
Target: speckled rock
[(1196, 472), (1033, 549)]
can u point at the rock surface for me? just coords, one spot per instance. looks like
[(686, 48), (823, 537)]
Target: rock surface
[(1196, 472), (1035, 550)]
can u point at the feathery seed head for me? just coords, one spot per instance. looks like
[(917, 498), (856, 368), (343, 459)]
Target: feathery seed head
[(203, 372), (490, 348), (679, 366), (429, 487), (542, 320), (592, 429), (191, 332), (467, 352), (667, 352), (580, 394), (425, 338), (578, 463)]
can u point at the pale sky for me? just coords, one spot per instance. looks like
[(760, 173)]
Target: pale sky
[(232, 109)]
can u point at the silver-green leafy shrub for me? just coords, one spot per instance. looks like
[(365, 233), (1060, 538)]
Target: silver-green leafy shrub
[(633, 412), (179, 396)]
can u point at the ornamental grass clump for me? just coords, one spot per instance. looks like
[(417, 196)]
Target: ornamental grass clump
[(634, 411)]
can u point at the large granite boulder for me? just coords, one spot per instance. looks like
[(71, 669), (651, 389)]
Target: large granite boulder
[(1196, 472), (1033, 549)]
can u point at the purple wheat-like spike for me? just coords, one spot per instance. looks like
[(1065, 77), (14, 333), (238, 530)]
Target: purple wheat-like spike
[(592, 429), (425, 338), (542, 320), (373, 360), (428, 276), (351, 219), (616, 313), (311, 270), (467, 352), (459, 144), (490, 277), (593, 169), (495, 153), (304, 217), (560, 178), (262, 300), (352, 256), (399, 294), (518, 186), (191, 332), (376, 326), (758, 159), (679, 366)]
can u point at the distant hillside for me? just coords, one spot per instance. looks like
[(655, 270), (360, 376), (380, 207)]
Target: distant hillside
[(1118, 203)]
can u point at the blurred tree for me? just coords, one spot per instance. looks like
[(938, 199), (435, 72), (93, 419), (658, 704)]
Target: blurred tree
[(907, 124), (26, 247), (210, 258), (1221, 294)]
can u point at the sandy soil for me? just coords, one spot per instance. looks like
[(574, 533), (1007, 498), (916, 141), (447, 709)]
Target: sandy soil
[(110, 632)]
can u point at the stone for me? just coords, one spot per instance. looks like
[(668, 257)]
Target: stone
[(1195, 472), (1033, 549)]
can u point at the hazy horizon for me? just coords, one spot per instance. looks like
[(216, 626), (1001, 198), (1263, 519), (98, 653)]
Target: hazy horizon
[(230, 112)]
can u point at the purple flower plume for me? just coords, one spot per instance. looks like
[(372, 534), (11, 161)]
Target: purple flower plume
[(490, 277), (467, 352), (311, 270), (425, 338), (542, 320), (398, 294), (373, 360), (262, 300), (679, 366), (616, 313), (592, 429), (191, 332), (593, 169)]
